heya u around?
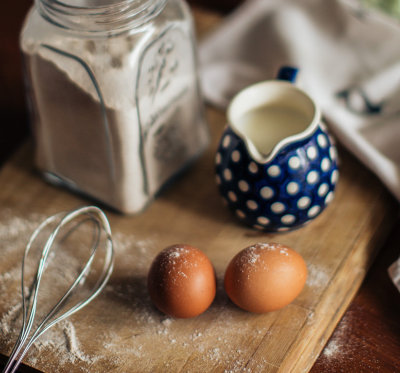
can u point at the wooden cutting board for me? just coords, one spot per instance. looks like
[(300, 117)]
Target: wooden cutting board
[(121, 331)]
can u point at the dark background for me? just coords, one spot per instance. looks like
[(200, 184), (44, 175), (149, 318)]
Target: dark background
[(368, 337)]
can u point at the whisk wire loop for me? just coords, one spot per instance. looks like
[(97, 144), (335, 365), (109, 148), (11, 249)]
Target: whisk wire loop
[(29, 301)]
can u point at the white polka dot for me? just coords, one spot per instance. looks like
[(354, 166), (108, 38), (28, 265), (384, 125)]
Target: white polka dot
[(294, 163), (292, 188), (312, 152), (243, 186), (333, 153), (322, 140), (253, 167), (263, 220), (274, 171), (218, 158), (226, 141), (329, 198), (283, 229), (335, 177), (288, 219), (232, 196), (252, 205), (218, 179), (303, 202), (313, 211), (240, 213), (266, 192), (312, 177), (227, 174), (325, 164), (236, 156), (323, 189), (277, 207)]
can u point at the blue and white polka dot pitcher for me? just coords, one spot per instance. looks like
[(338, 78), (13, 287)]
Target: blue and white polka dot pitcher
[(276, 163)]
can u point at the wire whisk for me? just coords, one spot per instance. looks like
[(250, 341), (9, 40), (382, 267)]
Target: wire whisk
[(29, 300)]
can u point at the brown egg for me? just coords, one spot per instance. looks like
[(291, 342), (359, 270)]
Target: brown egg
[(265, 277), (182, 281)]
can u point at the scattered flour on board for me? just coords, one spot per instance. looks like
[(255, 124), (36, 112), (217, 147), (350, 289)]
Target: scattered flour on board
[(135, 328), (62, 339), (317, 277)]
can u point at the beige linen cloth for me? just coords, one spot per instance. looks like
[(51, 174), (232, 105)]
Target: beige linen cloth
[(349, 61)]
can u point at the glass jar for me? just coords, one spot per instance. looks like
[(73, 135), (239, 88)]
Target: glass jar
[(114, 98)]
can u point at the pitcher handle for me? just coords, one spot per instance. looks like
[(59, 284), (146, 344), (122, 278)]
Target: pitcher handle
[(287, 73)]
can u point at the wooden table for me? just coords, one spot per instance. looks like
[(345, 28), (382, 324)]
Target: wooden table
[(367, 339)]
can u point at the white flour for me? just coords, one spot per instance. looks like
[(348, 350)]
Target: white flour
[(318, 277), (123, 327), (14, 235), (67, 343), (115, 117), (62, 339)]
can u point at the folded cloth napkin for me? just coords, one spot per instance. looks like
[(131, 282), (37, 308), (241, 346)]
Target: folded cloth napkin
[(349, 61)]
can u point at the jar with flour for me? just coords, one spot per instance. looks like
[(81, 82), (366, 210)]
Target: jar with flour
[(114, 97)]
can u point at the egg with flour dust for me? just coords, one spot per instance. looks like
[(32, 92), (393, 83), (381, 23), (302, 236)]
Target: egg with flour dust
[(265, 277), (182, 281)]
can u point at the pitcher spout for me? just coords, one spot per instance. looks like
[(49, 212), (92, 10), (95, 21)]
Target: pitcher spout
[(270, 115)]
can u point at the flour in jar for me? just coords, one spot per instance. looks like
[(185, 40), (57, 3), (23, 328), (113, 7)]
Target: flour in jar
[(114, 118)]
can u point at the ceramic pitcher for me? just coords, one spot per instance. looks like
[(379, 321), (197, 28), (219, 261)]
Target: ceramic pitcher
[(276, 163)]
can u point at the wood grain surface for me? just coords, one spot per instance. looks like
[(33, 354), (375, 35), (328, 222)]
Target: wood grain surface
[(338, 247), (367, 339)]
